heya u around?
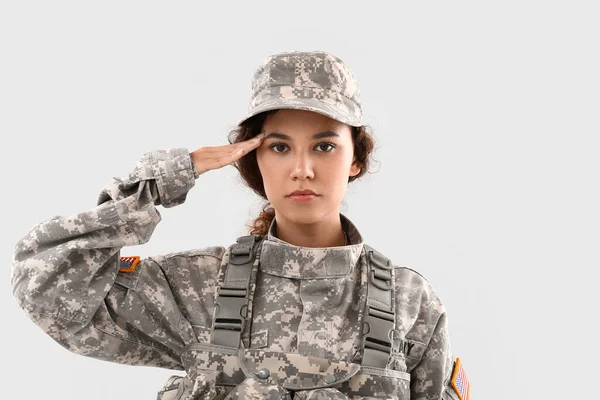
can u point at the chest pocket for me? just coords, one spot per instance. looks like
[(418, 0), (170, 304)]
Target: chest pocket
[(377, 383)]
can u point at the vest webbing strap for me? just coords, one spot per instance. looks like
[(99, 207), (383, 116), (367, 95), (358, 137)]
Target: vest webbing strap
[(231, 303), (379, 322)]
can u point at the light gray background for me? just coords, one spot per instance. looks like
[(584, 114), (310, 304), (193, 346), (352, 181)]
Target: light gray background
[(487, 121)]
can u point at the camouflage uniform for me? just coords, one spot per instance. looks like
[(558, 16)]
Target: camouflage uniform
[(307, 304)]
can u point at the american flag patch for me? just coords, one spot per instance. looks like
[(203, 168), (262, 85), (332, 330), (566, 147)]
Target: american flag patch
[(459, 381), (128, 263)]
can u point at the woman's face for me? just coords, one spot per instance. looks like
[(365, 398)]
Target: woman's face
[(304, 150)]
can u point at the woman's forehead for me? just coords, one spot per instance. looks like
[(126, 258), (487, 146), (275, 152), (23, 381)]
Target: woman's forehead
[(300, 123)]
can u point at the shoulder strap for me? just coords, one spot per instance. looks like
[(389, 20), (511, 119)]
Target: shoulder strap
[(380, 310), (231, 303)]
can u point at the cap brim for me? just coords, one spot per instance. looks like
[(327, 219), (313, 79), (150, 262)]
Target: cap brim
[(314, 105)]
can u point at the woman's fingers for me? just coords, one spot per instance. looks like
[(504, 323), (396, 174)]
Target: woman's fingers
[(215, 157)]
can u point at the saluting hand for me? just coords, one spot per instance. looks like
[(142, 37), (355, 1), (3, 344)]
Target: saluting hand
[(207, 158)]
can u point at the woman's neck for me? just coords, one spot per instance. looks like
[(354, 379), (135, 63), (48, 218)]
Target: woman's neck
[(327, 232)]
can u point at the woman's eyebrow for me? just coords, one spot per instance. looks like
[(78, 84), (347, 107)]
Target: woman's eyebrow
[(321, 135)]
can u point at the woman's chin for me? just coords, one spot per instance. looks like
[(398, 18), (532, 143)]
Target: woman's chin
[(302, 215)]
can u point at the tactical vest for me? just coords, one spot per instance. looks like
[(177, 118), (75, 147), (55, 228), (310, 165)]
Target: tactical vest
[(225, 369)]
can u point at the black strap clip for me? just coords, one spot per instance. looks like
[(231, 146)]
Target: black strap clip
[(377, 342), (381, 273), (380, 324), (230, 316), (243, 251)]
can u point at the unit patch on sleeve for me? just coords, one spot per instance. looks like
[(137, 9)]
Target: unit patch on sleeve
[(128, 263), (459, 381)]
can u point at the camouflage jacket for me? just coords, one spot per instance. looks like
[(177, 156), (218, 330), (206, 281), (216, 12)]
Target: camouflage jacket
[(307, 303)]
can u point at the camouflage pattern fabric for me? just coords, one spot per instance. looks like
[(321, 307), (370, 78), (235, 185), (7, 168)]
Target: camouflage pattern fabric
[(316, 81), (306, 310)]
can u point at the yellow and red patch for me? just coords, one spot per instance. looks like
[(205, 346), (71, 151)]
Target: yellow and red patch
[(128, 263), (459, 381)]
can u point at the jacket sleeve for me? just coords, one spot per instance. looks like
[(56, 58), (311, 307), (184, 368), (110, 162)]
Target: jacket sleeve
[(430, 379), (66, 270)]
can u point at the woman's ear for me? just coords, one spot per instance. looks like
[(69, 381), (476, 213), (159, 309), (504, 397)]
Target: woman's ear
[(354, 168)]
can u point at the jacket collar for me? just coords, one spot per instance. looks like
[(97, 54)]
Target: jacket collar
[(284, 259)]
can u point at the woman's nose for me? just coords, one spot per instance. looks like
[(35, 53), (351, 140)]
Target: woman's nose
[(302, 168)]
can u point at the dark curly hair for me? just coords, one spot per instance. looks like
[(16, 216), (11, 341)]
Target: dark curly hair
[(249, 171)]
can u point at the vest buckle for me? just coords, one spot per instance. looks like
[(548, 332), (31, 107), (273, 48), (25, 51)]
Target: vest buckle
[(377, 343), (243, 251), (230, 316)]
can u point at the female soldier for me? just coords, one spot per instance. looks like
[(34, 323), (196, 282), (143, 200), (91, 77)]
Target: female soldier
[(301, 308)]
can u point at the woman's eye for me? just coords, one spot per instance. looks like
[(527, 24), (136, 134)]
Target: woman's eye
[(276, 145), (327, 144)]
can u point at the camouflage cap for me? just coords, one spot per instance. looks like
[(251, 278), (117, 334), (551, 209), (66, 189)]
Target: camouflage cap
[(314, 80)]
